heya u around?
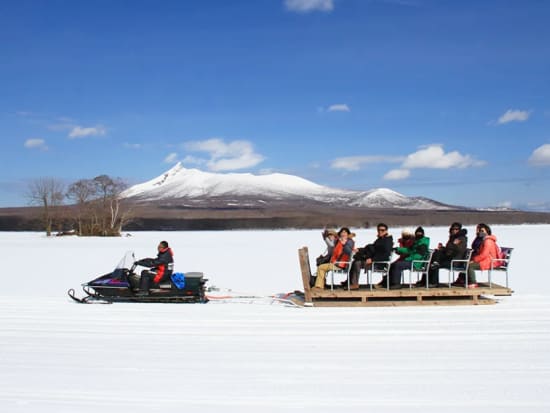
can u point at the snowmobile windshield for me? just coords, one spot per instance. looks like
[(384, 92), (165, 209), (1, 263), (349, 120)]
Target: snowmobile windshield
[(126, 262)]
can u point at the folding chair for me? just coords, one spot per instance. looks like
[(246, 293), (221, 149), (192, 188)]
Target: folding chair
[(500, 264), (341, 271), (423, 268), (378, 267), (460, 266)]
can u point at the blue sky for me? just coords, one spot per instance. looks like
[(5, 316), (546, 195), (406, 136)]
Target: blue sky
[(444, 99)]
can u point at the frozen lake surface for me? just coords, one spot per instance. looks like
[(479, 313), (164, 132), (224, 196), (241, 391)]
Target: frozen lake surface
[(255, 356)]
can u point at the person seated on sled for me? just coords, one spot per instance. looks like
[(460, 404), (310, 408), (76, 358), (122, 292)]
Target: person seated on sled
[(330, 237), (341, 253), (454, 249), (418, 251), (379, 250), (406, 241), (160, 268), (482, 261)]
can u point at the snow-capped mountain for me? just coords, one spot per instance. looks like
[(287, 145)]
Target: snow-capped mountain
[(192, 186)]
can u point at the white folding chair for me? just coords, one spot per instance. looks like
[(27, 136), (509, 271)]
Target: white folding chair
[(378, 267), (460, 266), (336, 270), (420, 267), (500, 264)]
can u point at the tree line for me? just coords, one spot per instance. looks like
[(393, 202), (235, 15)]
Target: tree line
[(95, 205)]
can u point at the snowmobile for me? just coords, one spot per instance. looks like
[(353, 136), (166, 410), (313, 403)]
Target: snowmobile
[(122, 285)]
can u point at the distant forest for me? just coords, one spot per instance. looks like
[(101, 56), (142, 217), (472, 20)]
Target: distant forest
[(150, 217)]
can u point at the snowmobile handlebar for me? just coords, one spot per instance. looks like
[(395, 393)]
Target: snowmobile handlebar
[(144, 262)]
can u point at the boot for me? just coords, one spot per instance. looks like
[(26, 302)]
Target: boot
[(460, 281), (421, 282)]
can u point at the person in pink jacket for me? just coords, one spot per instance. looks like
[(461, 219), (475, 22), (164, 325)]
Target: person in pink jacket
[(487, 251)]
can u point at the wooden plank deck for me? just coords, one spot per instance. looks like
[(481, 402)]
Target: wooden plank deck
[(406, 296)]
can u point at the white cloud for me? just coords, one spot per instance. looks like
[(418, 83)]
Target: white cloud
[(80, 132), (133, 145), (340, 107), (354, 163), (36, 143), (513, 116), (434, 157), (224, 156), (397, 174), (306, 6), (171, 158), (429, 157), (541, 156)]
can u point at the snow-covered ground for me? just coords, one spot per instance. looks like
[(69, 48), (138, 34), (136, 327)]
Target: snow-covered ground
[(254, 356)]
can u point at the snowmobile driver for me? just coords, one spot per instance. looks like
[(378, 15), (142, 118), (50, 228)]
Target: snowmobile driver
[(160, 268)]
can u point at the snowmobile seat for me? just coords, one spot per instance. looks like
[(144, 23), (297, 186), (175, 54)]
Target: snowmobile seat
[(166, 284)]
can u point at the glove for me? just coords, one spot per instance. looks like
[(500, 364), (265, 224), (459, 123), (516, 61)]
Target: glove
[(144, 262)]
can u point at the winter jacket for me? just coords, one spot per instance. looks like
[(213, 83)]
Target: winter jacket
[(420, 250), (404, 243), (164, 264), (487, 251), (453, 251), (379, 250), (342, 253), (330, 245)]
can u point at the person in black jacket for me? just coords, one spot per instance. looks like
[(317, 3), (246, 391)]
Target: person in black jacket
[(454, 249), (379, 250), (160, 268)]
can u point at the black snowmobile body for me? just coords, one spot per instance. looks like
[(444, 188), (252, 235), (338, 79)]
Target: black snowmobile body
[(121, 285)]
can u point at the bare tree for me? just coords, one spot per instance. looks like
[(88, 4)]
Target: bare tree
[(82, 192), (109, 190), (48, 193)]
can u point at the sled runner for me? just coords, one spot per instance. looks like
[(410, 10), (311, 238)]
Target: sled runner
[(121, 285)]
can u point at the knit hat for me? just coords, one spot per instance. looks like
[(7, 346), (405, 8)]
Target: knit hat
[(407, 232), (419, 229), (332, 232)]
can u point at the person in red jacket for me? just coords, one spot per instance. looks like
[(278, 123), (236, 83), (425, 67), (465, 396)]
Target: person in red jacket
[(340, 258), (482, 261), (406, 241), (160, 268)]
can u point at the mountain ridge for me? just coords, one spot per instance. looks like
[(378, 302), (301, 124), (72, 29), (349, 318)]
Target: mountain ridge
[(193, 186)]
